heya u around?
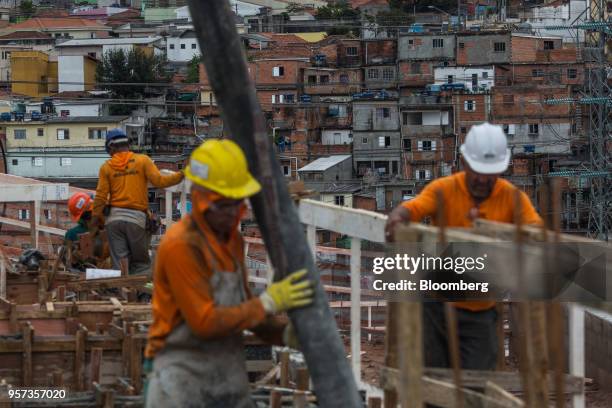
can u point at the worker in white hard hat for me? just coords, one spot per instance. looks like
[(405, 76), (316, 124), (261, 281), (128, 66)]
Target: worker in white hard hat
[(476, 192)]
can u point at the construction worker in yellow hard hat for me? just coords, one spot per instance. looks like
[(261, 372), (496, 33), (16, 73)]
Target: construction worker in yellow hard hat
[(201, 298)]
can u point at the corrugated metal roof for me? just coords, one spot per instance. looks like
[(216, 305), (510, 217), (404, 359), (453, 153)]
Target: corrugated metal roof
[(325, 163), (108, 41)]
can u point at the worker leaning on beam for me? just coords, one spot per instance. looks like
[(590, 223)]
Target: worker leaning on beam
[(477, 192), (123, 187), (201, 298)]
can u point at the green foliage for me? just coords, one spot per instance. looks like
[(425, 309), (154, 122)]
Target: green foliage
[(422, 6), (294, 8), (341, 10), (193, 70), (26, 8), (135, 68)]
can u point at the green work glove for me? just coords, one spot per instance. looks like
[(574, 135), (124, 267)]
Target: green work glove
[(291, 292)]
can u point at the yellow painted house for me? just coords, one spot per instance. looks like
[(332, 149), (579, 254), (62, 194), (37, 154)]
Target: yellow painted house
[(59, 147), (33, 74)]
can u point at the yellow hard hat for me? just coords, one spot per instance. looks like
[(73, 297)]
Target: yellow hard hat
[(220, 166)]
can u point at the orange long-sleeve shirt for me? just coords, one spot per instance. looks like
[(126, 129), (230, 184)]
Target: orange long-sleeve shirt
[(125, 184), (182, 291), (499, 206)]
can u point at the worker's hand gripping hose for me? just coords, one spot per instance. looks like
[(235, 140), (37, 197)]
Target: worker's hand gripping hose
[(292, 292)]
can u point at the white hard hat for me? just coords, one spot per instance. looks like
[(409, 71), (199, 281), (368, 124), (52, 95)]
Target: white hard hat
[(486, 149)]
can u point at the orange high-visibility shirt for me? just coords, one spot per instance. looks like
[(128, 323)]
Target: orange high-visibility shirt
[(458, 202), (127, 188), (182, 292)]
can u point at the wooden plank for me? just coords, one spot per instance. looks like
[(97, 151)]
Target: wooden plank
[(95, 284), (26, 367), (300, 400), (303, 379), (2, 276), (508, 380), (495, 392), (57, 378), (284, 368), (59, 344), (410, 348), (275, 399), (95, 365), (391, 359), (270, 376), (374, 402), (136, 363), (50, 307), (540, 352), (79, 358)]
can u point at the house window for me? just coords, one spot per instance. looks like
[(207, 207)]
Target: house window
[(47, 214), (469, 106), (509, 129), (508, 99), (372, 73), (66, 161), (193, 46), (426, 145), (278, 71), (463, 130), (499, 47), (286, 171), (20, 134), (312, 79), (407, 144), (63, 134), (388, 74), (384, 141), (438, 43), (383, 113), (461, 45), (572, 73), (37, 161), (324, 79), (24, 214), (364, 140), (412, 118), (339, 200), (15, 162), (40, 132), (534, 129), (288, 98), (171, 46), (182, 46), (485, 75), (64, 113), (549, 45), (344, 79), (97, 133), (537, 73), (415, 68), (351, 51), (450, 79), (423, 174)]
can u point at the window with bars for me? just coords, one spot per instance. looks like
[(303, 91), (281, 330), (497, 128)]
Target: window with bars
[(438, 42), (426, 145), (534, 129), (352, 51), (549, 45), (97, 133), (63, 134), (537, 73), (24, 214), (572, 73), (384, 141), (20, 134), (423, 174), (388, 74), (469, 106), (339, 200), (499, 47), (373, 73)]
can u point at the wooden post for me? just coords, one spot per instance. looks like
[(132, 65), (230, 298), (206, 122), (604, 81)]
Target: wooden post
[(299, 400), (284, 369), (79, 358), (374, 402), (557, 351), (58, 378), (275, 399), (168, 200), (303, 379), (391, 359), (410, 347), (95, 365), (453, 349), (2, 277), (501, 340), (28, 335), (539, 364), (61, 293), (136, 363), (356, 308)]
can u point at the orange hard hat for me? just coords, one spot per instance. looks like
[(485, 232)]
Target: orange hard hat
[(78, 204)]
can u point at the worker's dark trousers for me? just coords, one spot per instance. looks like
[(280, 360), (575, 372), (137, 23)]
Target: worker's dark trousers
[(129, 240), (477, 337)]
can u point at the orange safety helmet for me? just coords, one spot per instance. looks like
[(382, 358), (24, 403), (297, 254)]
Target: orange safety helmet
[(78, 204)]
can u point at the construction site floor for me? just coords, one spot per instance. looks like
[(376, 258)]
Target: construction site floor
[(373, 355)]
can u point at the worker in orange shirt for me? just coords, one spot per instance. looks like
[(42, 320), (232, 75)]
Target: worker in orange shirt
[(477, 192), (201, 299), (123, 187)]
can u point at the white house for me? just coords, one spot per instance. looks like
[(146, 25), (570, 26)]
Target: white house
[(182, 47), (559, 15), (474, 78)]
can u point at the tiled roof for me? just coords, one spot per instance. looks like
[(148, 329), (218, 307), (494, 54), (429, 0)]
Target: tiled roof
[(18, 35), (45, 23)]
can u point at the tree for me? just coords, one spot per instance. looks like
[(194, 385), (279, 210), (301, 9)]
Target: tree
[(338, 11), (132, 72), (26, 8), (193, 70)]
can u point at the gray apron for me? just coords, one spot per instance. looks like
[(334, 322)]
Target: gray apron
[(192, 372)]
